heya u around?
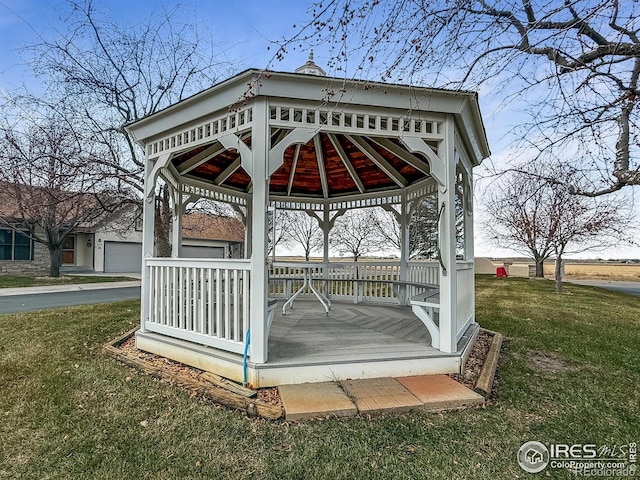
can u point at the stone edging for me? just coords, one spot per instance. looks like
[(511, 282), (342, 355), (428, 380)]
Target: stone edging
[(485, 380), (252, 406)]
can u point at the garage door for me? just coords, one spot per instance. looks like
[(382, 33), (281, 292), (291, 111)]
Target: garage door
[(122, 257), (190, 251)]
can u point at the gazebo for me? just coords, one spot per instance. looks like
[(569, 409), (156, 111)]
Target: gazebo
[(304, 141)]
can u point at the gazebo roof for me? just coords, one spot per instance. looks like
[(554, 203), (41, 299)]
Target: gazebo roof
[(350, 142)]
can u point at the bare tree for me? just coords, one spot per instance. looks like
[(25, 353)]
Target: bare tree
[(119, 73), (586, 224), (543, 219), (303, 229), (354, 234), (49, 181), (278, 225), (423, 228), (576, 63)]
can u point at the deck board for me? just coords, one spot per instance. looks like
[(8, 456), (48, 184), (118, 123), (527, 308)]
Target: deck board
[(350, 332)]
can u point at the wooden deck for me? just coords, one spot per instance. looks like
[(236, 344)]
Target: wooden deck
[(306, 345), (362, 332)]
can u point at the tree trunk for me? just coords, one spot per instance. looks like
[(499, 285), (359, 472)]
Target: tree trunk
[(163, 223), (55, 253), (539, 267), (558, 273)]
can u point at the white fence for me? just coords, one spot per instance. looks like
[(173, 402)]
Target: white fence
[(207, 301), (465, 296), (203, 301), (361, 281)]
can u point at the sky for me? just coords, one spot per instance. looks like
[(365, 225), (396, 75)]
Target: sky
[(243, 31)]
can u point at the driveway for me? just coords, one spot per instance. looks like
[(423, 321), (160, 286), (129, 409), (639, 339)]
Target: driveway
[(631, 288), (37, 300)]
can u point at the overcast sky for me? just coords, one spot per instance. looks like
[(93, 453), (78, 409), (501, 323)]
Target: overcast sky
[(242, 30)]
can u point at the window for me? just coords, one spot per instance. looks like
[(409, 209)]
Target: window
[(69, 250), (15, 245)]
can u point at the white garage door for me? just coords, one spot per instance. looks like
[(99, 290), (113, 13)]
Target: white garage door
[(190, 251), (122, 257)]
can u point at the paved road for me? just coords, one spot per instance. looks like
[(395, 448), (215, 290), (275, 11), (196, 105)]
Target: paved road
[(631, 288), (38, 301)]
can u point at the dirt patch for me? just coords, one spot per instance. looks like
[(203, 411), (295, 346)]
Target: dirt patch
[(474, 364), (543, 363), (269, 395), (472, 369)]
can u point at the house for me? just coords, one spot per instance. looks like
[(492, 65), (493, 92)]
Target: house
[(111, 250), (115, 247), (307, 142)]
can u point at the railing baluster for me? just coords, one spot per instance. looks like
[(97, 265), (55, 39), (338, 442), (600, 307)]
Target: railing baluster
[(219, 318), (202, 290), (236, 307)]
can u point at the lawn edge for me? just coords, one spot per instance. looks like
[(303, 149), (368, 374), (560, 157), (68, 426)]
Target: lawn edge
[(217, 394), (484, 384)]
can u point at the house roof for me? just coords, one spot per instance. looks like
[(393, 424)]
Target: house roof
[(212, 227), (21, 202)]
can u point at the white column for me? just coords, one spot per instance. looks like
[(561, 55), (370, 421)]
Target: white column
[(326, 230), (468, 218), (404, 219), (469, 252), (176, 227), (447, 240), (248, 228), (260, 201), (148, 233)]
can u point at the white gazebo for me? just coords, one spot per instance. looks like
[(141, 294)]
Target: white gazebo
[(303, 141)]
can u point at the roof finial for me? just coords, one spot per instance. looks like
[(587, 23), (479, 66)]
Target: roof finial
[(310, 68)]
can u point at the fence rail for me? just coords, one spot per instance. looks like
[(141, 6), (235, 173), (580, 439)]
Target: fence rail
[(465, 297), (361, 281), (204, 301)]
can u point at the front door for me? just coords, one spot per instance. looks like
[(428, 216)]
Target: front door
[(69, 250)]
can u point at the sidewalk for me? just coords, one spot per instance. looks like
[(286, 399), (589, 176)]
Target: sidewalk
[(5, 292), (375, 395)]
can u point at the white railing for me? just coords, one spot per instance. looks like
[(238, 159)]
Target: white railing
[(422, 272), (207, 301), (465, 297), (202, 301), (358, 281)]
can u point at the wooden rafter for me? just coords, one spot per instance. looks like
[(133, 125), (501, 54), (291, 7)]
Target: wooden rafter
[(200, 158), (402, 154), (227, 172), (296, 155), (345, 160), (380, 161), (321, 169)]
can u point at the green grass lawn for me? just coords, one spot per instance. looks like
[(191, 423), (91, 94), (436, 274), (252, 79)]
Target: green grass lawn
[(9, 281), (570, 373)]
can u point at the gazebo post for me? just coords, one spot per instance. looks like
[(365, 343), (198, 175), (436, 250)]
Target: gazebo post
[(447, 232), (148, 232), (259, 229), (176, 227), (404, 220), (326, 229)]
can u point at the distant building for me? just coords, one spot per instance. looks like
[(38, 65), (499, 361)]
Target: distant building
[(115, 247)]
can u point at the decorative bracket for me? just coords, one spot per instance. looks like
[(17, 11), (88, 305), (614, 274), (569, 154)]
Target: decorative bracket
[(233, 142), (276, 154), (437, 164)]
